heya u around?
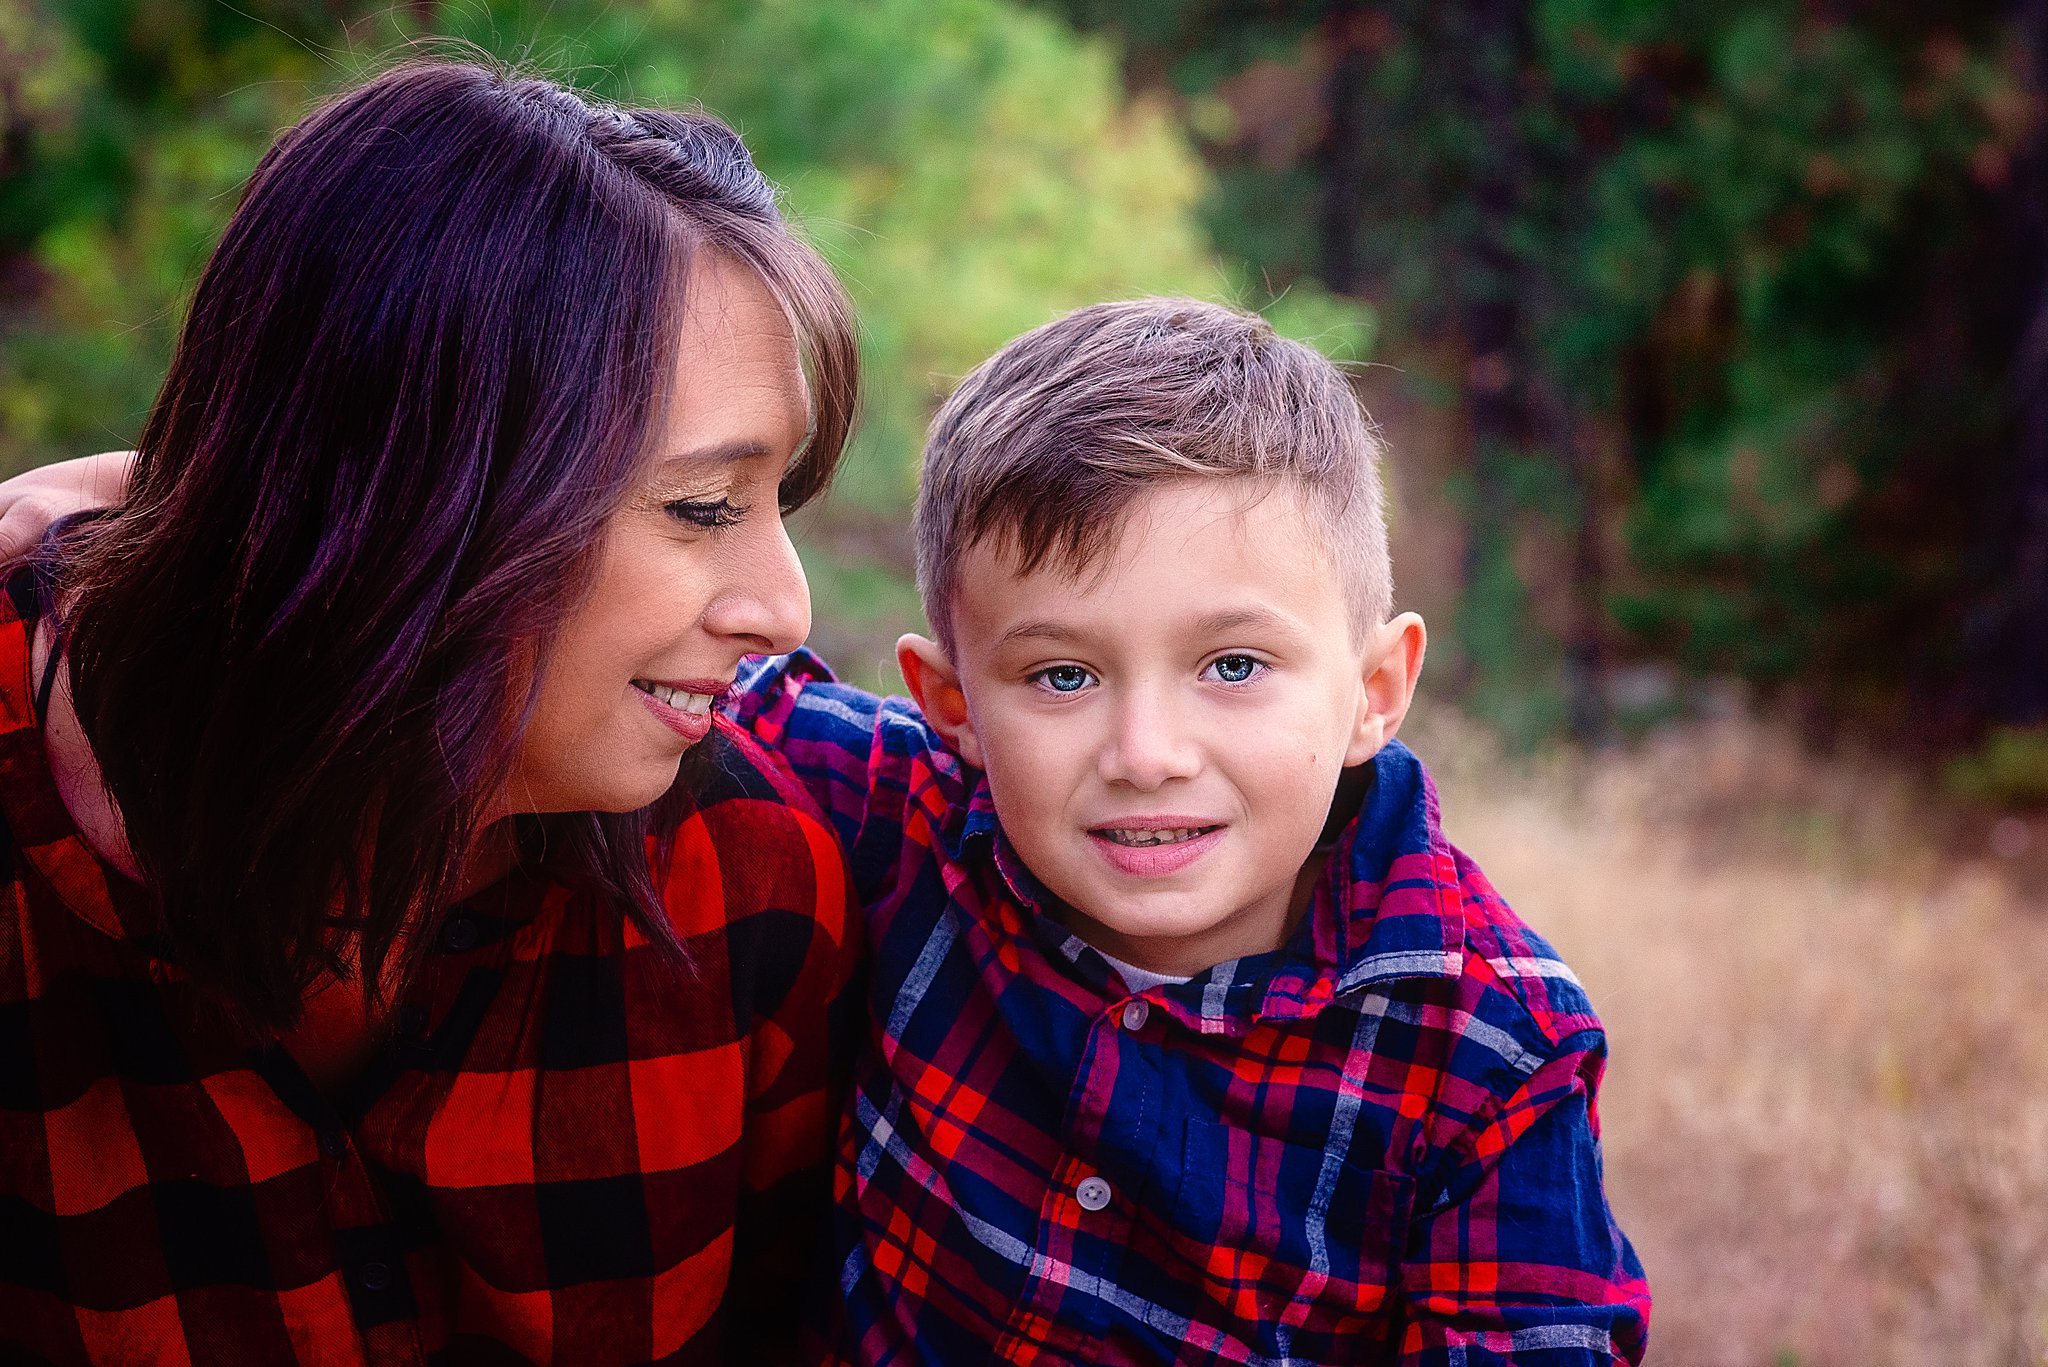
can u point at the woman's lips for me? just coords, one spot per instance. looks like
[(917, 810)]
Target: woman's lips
[(683, 707), (1180, 842)]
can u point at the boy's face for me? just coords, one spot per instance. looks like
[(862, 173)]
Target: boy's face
[(1162, 734)]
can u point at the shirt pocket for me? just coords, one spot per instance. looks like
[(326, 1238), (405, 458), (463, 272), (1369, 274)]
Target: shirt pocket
[(1305, 1244)]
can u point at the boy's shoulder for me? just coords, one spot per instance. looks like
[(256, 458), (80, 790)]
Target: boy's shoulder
[(1435, 935), (1509, 956)]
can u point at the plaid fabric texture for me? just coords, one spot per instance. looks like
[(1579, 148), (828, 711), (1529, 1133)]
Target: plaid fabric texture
[(1378, 1144), (568, 1152)]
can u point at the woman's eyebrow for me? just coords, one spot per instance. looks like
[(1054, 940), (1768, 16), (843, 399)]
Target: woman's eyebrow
[(718, 453)]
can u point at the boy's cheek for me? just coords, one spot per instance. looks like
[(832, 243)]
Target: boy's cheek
[(1028, 787)]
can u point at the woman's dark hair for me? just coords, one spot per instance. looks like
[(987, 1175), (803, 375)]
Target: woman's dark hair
[(418, 375)]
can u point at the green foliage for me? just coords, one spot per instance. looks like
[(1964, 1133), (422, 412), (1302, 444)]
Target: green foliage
[(138, 120), (1718, 278), (1730, 273), (2009, 768), (1762, 255), (972, 169)]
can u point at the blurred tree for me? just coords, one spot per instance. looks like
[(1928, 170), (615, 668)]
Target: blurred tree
[(2010, 641), (1718, 276), (971, 166), (129, 125)]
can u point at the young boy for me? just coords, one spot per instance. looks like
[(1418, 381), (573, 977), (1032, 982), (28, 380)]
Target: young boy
[(1193, 1040)]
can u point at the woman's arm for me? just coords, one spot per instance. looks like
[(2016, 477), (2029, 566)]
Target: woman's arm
[(31, 501)]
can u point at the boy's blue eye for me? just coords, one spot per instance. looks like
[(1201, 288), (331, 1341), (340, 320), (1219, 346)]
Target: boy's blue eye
[(1235, 668), (708, 514), (1064, 678)]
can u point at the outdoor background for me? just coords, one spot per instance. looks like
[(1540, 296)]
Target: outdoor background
[(1711, 343)]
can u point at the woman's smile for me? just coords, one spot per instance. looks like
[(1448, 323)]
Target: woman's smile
[(683, 708)]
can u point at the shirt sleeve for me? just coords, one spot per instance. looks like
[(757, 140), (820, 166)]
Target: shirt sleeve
[(1516, 1258), (874, 765)]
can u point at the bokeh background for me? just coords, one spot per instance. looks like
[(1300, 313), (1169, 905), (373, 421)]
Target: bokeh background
[(1711, 343)]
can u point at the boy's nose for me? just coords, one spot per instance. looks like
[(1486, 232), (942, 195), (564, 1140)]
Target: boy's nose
[(1149, 746)]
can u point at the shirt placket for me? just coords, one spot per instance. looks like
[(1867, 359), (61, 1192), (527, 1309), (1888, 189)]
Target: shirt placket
[(1085, 1217), (369, 1246)]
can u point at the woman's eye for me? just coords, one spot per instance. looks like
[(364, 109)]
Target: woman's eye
[(1064, 678), (1235, 668), (707, 514)]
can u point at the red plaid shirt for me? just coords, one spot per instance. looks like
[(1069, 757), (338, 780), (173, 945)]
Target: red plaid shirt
[(1376, 1144), (565, 1153)]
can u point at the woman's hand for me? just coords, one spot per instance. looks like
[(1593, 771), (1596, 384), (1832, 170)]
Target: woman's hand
[(31, 501)]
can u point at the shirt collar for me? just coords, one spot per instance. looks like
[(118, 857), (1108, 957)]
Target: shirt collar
[(979, 828), (37, 820), (1392, 901)]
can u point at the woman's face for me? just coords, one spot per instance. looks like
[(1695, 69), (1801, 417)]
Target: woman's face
[(693, 572)]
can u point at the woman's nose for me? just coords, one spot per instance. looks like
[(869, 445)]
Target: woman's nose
[(765, 601)]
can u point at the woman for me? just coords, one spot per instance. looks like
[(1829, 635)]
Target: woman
[(370, 989)]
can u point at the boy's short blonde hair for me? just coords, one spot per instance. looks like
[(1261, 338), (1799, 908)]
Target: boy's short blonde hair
[(1045, 444)]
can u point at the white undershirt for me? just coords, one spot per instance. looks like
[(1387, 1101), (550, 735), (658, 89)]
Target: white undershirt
[(1138, 979)]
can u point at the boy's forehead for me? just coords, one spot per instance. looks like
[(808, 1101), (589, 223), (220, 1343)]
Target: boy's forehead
[(1159, 521), (1238, 539)]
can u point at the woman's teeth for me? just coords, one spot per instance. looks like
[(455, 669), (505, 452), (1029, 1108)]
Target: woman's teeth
[(675, 697), (1171, 836)]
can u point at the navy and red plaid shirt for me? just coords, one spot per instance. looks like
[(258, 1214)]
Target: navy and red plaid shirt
[(1378, 1144), (567, 1152)]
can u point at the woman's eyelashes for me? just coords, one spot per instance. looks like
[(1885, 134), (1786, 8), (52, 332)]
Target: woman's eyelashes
[(705, 514)]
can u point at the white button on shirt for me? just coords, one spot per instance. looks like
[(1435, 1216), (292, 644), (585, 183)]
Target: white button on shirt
[(1092, 1193), (1134, 1015)]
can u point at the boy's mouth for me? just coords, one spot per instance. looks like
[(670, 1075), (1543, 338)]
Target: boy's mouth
[(1156, 846), (1143, 837)]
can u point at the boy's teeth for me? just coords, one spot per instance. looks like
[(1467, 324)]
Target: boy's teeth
[(1171, 836)]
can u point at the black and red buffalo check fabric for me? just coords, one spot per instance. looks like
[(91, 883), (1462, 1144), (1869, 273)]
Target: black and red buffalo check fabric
[(566, 1152)]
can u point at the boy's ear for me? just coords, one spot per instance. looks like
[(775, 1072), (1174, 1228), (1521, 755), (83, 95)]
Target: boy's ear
[(936, 685), (1392, 666)]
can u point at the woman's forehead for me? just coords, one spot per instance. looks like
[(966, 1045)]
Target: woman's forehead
[(739, 378)]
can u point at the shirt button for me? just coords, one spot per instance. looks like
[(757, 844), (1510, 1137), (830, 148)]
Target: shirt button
[(375, 1276), (1093, 1193), (460, 935), (1134, 1015)]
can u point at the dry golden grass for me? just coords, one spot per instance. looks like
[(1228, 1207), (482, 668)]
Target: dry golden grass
[(1826, 1116)]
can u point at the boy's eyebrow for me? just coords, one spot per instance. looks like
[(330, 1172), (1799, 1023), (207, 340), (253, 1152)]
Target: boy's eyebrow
[(1040, 629), (1214, 624), (1236, 619)]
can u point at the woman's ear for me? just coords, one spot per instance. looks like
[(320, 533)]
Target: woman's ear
[(935, 684), (1392, 665)]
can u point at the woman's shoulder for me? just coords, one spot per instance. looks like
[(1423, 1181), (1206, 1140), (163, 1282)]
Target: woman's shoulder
[(22, 695), (730, 765), (748, 839)]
